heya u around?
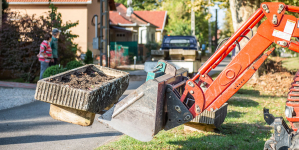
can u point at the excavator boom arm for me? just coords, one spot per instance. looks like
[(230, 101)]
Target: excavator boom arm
[(277, 28)]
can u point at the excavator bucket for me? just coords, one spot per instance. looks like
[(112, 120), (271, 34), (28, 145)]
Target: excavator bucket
[(143, 113)]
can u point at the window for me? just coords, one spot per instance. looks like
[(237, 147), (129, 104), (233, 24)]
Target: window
[(180, 42), (120, 35)]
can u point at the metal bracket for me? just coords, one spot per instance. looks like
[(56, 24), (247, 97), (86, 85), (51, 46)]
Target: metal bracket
[(269, 118), (265, 7), (283, 43), (280, 8), (177, 113), (274, 20), (282, 137)]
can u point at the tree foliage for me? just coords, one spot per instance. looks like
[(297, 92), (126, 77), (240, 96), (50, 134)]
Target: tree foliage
[(227, 27), (179, 15), (20, 39), (179, 22), (4, 6), (67, 49), (142, 4)]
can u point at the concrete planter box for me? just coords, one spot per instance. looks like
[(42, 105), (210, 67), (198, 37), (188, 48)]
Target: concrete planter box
[(93, 101)]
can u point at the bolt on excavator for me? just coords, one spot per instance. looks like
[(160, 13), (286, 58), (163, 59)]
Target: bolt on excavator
[(169, 98)]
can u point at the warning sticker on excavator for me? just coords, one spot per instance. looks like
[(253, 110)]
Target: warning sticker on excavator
[(289, 28), (282, 35)]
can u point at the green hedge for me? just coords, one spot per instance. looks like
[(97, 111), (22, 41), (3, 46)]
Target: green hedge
[(73, 64), (88, 58), (50, 71), (53, 70)]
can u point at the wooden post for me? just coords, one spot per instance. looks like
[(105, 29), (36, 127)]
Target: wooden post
[(70, 115), (199, 127)]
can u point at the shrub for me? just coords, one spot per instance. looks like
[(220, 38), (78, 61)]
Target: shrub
[(73, 64), (53, 70), (67, 49), (19, 47), (88, 58), (151, 46)]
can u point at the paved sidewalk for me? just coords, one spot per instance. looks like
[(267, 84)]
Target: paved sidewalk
[(17, 85), (12, 97), (16, 94), (220, 67), (131, 67)]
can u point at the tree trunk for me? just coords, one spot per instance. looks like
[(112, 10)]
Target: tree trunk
[(241, 11)]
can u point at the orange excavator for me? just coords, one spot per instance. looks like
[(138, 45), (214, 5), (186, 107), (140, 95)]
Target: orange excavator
[(169, 98)]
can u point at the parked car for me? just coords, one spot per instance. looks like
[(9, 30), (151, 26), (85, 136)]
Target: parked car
[(179, 42)]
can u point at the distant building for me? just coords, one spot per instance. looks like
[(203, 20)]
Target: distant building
[(71, 10), (142, 26)]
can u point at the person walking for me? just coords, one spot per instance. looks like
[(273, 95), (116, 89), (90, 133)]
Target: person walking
[(54, 46), (45, 54)]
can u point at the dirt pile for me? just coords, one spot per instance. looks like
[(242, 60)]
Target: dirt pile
[(274, 84), (272, 65), (87, 80)]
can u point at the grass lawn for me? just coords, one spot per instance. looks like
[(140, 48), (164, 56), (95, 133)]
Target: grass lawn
[(291, 64), (243, 128)]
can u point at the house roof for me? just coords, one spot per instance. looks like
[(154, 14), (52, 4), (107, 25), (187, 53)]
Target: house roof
[(47, 1), (116, 18), (122, 10), (157, 18), (119, 17), (30, 2)]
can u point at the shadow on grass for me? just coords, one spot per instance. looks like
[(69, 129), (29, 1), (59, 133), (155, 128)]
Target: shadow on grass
[(232, 136), (249, 92), (255, 93), (234, 114), (242, 102)]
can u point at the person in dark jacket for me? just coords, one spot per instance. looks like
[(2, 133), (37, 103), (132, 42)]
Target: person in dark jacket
[(54, 46)]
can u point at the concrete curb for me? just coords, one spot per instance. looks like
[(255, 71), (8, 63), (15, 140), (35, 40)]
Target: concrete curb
[(17, 85)]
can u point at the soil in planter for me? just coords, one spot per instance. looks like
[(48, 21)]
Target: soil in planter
[(87, 80)]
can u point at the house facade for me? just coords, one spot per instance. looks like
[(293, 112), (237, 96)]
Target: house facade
[(157, 18), (142, 26), (71, 10)]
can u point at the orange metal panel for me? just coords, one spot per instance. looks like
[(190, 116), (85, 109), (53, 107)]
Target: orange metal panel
[(255, 47), (273, 8)]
